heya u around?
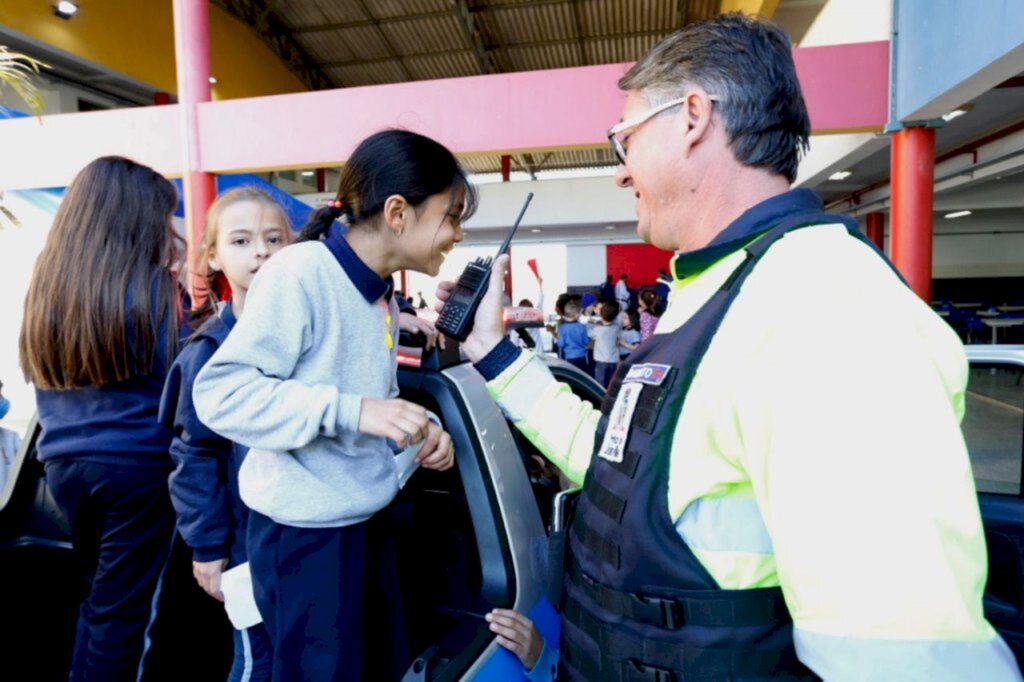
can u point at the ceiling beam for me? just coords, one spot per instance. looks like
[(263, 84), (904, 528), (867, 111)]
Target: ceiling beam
[(683, 10), (522, 5), (340, 26), (387, 43), (495, 49), (475, 36), (579, 32), (512, 114), (526, 161), (258, 16)]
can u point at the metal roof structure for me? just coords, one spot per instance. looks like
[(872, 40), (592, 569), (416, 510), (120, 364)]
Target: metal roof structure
[(350, 43)]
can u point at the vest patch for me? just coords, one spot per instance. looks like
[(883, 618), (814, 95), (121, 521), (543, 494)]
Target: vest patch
[(648, 373), (615, 436)]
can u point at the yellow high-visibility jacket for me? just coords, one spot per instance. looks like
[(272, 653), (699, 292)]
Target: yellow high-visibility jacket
[(819, 449)]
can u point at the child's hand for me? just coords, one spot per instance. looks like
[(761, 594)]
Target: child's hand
[(516, 633), (208, 574), (417, 325), (437, 452), (401, 421)]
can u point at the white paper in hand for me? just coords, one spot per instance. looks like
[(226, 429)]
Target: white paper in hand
[(239, 600), (404, 460)]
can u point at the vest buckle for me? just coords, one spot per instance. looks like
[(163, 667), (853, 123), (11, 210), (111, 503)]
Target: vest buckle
[(665, 611), (639, 670)]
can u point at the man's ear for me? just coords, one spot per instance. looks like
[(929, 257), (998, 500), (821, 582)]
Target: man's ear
[(696, 111), (396, 210)]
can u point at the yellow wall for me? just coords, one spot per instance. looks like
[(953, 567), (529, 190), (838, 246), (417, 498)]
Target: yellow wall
[(136, 38)]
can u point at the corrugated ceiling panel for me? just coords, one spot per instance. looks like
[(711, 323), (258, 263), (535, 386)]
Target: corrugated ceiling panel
[(579, 158), (365, 42), (333, 11), (325, 46), (527, 23), (487, 3), (404, 8), (425, 35), (442, 66), (612, 17), (698, 10), (367, 74), (531, 58), (616, 50), (300, 13)]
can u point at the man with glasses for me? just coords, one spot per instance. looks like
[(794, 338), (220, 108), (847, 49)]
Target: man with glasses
[(769, 491)]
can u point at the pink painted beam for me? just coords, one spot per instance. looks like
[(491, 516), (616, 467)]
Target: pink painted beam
[(845, 87), (504, 112)]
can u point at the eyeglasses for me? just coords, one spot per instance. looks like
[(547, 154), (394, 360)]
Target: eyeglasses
[(616, 130)]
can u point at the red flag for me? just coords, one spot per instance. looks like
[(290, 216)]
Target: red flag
[(533, 266)]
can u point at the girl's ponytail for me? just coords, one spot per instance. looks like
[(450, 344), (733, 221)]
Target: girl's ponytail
[(320, 221)]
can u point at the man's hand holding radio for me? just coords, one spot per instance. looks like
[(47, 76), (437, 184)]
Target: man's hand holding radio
[(488, 325)]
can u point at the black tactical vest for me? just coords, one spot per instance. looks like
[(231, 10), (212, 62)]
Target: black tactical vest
[(637, 604)]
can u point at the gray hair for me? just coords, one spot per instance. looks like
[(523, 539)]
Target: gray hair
[(747, 64)]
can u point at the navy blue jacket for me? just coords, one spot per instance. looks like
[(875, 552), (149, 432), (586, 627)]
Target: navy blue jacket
[(204, 484), (112, 424)]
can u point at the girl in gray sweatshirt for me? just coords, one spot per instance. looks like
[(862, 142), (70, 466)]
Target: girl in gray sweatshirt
[(308, 381)]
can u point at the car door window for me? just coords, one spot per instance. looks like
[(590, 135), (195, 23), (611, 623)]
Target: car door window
[(993, 426)]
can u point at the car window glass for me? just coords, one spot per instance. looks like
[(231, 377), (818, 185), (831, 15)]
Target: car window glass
[(993, 426), (545, 479)]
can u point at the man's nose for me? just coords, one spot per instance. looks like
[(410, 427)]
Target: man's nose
[(622, 177)]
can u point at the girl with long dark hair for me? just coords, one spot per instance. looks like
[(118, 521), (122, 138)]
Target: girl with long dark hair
[(100, 330)]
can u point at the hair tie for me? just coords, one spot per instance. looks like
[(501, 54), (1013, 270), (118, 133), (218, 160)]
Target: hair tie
[(336, 204)]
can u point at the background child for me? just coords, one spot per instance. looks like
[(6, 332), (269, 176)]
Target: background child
[(244, 227), (308, 380), (606, 342), (629, 339), (100, 330), (650, 311), (573, 338)]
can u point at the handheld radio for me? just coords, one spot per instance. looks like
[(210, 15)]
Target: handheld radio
[(456, 317)]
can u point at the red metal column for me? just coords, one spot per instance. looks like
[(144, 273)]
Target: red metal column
[(876, 229), (192, 54), (910, 234), (506, 167), (321, 179)]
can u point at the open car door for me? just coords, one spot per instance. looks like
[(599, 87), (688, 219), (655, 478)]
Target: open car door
[(994, 430)]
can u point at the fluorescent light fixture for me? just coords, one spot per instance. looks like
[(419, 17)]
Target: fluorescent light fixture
[(308, 174), (958, 214), (609, 227), (213, 80), (840, 175), (65, 9), (956, 113), (535, 229)]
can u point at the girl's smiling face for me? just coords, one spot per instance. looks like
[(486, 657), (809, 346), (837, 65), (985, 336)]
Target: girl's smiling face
[(432, 230)]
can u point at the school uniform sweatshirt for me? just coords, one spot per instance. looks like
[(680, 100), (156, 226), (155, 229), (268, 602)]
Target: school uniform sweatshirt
[(289, 381)]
